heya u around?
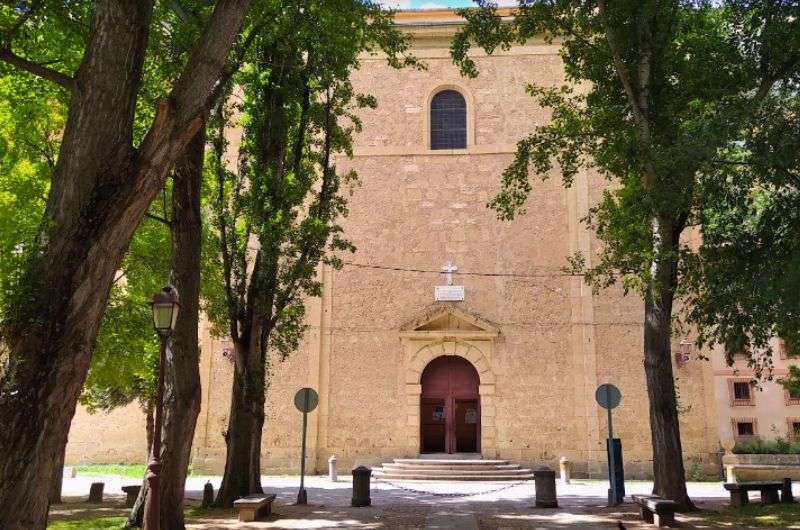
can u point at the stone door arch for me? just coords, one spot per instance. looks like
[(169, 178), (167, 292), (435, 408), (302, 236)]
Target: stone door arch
[(450, 408), (420, 358), (448, 329)]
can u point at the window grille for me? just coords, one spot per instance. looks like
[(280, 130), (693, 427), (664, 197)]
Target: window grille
[(448, 120), (745, 428), (741, 390)]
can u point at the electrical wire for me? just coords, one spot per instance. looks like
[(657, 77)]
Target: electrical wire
[(463, 273)]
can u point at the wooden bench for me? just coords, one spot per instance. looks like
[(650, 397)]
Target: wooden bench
[(656, 510), (253, 507), (768, 489), (132, 493)]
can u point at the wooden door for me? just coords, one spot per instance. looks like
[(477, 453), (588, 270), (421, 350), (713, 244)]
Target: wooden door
[(466, 425), (450, 408), (434, 430)]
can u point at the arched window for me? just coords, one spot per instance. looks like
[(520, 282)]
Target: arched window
[(448, 120)]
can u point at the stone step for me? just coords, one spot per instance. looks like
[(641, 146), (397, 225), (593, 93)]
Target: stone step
[(466, 477), (446, 471), (450, 466), (452, 462), (451, 469)]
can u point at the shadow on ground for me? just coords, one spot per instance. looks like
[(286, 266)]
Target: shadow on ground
[(329, 507)]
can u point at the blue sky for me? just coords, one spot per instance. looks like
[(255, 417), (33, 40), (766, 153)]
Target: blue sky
[(431, 4)]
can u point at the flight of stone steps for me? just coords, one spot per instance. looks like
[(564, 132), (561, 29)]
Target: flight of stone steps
[(451, 469)]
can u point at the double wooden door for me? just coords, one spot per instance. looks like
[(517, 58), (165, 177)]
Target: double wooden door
[(450, 407)]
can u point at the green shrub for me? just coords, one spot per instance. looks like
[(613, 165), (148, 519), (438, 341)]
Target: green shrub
[(755, 446)]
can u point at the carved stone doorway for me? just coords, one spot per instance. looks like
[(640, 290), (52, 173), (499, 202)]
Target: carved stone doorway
[(450, 407)]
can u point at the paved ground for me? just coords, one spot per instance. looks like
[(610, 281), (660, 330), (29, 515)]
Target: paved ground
[(423, 505)]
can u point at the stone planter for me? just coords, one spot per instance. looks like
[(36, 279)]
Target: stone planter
[(748, 467)]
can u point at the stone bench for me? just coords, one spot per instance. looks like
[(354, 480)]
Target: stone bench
[(656, 510), (768, 489), (132, 493), (253, 507)]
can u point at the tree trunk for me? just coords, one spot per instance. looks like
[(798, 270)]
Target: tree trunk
[(54, 329), (243, 439), (100, 191), (668, 470), (57, 481), (136, 517), (182, 382), (182, 397)]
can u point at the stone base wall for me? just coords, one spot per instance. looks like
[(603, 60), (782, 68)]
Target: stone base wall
[(748, 467), (118, 437)]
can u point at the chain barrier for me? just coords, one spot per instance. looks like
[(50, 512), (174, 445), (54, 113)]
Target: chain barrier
[(438, 494)]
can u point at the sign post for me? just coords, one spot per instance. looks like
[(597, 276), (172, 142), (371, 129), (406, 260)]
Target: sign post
[(608, 396), (305, 400)]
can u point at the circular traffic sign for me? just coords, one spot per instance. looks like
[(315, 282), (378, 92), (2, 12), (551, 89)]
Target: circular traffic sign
[(306, 399), (608, 396)]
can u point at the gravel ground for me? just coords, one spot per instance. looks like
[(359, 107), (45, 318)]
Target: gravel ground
[(424, 505)]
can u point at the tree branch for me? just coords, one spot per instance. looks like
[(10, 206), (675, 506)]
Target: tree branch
[(619, 66), (8, 37), (228, 72), (44, 72), (158, 218)]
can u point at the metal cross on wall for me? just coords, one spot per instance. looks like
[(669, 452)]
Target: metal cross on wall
[(449, 269)]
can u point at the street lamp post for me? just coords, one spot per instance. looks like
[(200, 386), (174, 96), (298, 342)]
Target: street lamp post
[(165, 307)]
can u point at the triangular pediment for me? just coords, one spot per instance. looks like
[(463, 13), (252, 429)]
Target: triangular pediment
[(449, 319)]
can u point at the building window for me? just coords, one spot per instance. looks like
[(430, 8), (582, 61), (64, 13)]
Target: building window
[(784, 352), (448, 120), (744, 427), (741, 392), (793, 428), (792, 396)]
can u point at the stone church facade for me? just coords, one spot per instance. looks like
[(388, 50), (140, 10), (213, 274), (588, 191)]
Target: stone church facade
[(531, 343)]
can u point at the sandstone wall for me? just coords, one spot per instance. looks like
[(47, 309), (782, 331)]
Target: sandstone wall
[(418, 209)]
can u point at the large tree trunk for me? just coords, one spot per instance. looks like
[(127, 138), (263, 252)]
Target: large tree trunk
[(668, 470), (243, 438), (67, 287), (100, 190), (136, 517), (182, 397), (182, 382), (58, 480)]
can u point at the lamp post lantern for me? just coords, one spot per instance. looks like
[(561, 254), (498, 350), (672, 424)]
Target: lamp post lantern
[(165, 306)]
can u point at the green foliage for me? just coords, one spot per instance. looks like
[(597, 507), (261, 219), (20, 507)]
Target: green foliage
[(756, 446), (783, 516), (791, 381), (690, 108), (125, 360), (88, 523), (277, 215), (695, 472), (32, 116), (123, 470), (744, 284)]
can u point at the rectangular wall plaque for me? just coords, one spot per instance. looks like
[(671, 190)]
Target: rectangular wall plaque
[(448, 293)]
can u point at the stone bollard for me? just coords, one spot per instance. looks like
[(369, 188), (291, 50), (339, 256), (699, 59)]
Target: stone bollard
[(208, 495), (96, 492), (730, 474), (786, 491), (361, 476), (332, 474), (565, 466), (545, 482)]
